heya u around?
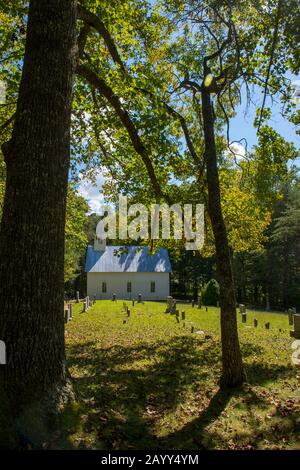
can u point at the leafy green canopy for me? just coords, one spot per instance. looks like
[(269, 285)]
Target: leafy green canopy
[(149, 62)]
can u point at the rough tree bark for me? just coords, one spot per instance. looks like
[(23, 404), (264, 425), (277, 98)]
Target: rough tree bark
[(232, 371), (32, 229)]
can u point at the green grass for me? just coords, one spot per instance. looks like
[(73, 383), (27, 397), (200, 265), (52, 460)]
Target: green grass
[(152, 384)]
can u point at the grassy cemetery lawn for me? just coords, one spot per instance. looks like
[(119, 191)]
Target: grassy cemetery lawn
[(151, 383)]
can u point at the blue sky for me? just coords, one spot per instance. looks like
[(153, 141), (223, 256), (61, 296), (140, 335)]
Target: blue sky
[(242, 124)]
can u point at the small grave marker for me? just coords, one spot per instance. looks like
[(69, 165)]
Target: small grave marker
[(244, 317), (182, 315), (171, 305), (70, 311), (242, 308), (66, 315), (296, 332), (267, 325), (255, 323), (291, 313), (77, 297)]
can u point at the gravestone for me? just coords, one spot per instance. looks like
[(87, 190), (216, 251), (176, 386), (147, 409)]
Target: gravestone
[(242, 308), (199, 301), (244, 317), (114, 297), (206, 309), (296, 332), (133, 302), (94, 299), (255, 323), (77, 297), (66, 315), (171, 305), (70, 311), (267, 325), (128, 312), (291, 313), (139, 298), (182, 315), (86, 304), (192, 329)]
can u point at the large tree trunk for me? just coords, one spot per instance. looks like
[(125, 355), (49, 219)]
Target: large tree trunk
[(232, 373), (32, 228)]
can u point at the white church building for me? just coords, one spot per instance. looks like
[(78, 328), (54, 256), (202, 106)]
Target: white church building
[(127, 271)]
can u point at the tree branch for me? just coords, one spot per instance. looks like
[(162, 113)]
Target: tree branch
[(91, 77), (273, 47), (92, 20)]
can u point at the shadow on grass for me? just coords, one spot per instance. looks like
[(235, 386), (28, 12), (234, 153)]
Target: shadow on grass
[(125, 391)]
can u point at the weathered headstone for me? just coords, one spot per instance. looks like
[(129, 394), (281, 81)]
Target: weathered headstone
[(199, 301), (182, 315), (128, 312), (296, 332), (255, 323), (113, 297), (139, 298), (77, 297), (267, 325), (242, 308), (66, 315), (171, 305), (291, 313), (70, 311), (244, 317), (86, 304)]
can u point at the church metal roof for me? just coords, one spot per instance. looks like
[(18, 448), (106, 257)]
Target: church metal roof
[(119, 259)]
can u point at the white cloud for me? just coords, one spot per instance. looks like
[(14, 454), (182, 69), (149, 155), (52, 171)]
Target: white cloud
[(236, 150), (296, 91), (91, 191)]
